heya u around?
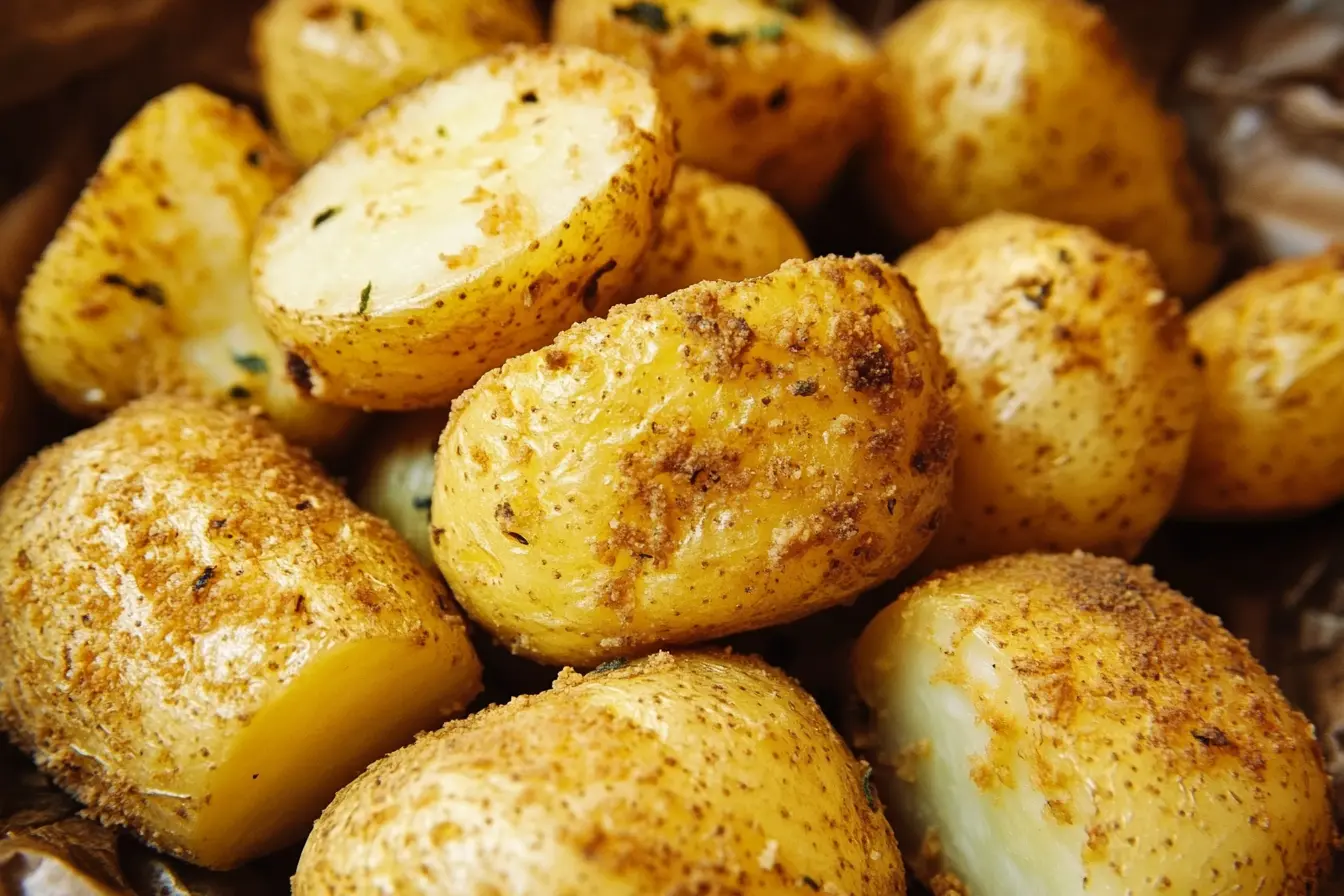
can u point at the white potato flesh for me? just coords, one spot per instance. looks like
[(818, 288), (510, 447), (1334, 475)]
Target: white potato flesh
[(1067, 724), (398, 475)]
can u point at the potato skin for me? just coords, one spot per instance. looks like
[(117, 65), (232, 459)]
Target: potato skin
[(713, 229), (781, 114), (145, 287), (728, 457), (1270, 439), (661, 776), (420, 347), (1078, 392), (163, 575), (1030, 106), (397, 478), (1169, 758), (323, 65)]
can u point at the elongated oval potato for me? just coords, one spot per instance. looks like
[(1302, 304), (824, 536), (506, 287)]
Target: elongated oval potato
[(398, 475), (686, 773), (771, 94), (202, 638), (324, 64), (145, 287), (1270, 439), (1068, 724), (1030, 106), (729, 457), (473, 217), (1078, 391), (712, 229)]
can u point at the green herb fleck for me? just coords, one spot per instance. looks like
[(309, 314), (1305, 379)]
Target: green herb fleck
[(773, 32), (148, 291), (364, 297), (792, 7), (726, 39), (868, 787), (325, 215), (441, 131), (610, 665), (359, 20), (811, 883), (250, 363), (650, 15), (203, 579), (239, 392), (1038, 293), (422, 502)]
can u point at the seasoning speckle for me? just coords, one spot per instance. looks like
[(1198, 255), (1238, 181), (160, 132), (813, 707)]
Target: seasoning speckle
[(650, 15)]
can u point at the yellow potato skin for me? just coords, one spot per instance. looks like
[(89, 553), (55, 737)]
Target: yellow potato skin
[(397, 476), (165, 576), (1270, 440), (324, 64), (1030, 106), (661, 776), (783, 115), (729, 457), (144, 288), (713, 229), (1155, 735), (1078, 391)]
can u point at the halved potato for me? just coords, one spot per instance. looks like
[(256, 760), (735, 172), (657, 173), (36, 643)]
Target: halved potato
[(202, 638), (732, 456), (462, 223), (681, 773), (323, 64), (775, 94), (712, 229), (145, 287), (1069, 724), (398, 475)]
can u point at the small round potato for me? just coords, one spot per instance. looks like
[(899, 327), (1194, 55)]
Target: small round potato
[(775, 94), (687, 773), (1270, 439), (323, 64), (1069, 724), (712, 229), (462, 223), (733, 456), (1077, 394), (145, 287), (398, 475), (1030, 106), (202, 638)]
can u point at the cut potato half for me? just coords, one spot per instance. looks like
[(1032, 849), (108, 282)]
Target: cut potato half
[(145, 287), (1069, 724), (202, 638), (462, 223)]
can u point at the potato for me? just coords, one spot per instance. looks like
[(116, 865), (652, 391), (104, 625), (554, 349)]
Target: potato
[(660, 777), (730, 457), (712, 229), (771, 94), (1078, 391), (1067, 723), (325, 64), (1030, 106), (145, 287), (398, 475), (202, 639), (1270, 439), (474, 218)]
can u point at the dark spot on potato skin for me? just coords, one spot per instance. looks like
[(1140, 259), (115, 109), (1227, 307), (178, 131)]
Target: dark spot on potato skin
[(589, 292), (300, 374)]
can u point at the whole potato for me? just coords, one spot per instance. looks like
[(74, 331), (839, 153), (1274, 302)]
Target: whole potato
[(1030, 106), (1069, 724), (1270, 439), (663, 776), (202, 638), (324, 64), (775, 94), (145, 286), (473, 218), (1077, 394), (712, 229), (729, 457), (398, 475)]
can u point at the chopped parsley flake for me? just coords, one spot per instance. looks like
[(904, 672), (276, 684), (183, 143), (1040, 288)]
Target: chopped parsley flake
[(792, 7), (250, 363), (726, 39), (239, 392), (148, 291), (364, 297), (325, 215), (610, 665), (773, 32), (359, 20), (650, 15), (422, 502), (868, 787)]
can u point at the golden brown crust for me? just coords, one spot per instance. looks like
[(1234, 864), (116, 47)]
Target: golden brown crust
[(660, 777)]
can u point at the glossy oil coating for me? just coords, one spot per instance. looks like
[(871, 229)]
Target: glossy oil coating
[(1069, 724)]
